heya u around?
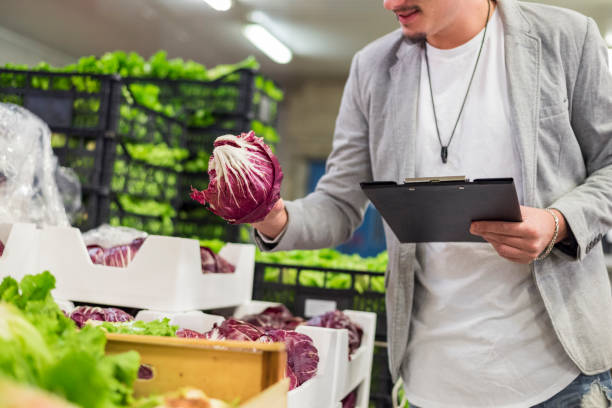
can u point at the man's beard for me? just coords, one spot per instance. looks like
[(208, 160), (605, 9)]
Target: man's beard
[(417, 37)]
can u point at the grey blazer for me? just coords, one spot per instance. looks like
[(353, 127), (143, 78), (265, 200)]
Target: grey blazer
[(561, 100)]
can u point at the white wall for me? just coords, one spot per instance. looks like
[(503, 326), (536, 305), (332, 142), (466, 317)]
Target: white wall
[(18, 49)]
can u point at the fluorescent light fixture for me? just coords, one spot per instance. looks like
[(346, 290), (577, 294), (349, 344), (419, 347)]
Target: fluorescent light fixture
[(267, 43), (220, 5)]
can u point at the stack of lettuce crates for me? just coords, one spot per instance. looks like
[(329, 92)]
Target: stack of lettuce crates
[(139, 144)]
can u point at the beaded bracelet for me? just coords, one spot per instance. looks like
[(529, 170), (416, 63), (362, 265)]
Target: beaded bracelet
[(551, 245)]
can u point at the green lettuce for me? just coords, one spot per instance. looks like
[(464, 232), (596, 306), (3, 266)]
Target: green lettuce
[(40, 346), (152, 328)]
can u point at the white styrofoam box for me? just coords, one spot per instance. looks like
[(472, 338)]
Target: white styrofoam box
[(359, 368), (20, 255), (66, 305), (336, 376), (192, 320), (165, 274)]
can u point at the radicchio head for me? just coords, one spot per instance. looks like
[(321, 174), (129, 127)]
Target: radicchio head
[(245, 179)]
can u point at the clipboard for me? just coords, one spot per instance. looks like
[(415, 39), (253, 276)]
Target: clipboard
[(440, 209)]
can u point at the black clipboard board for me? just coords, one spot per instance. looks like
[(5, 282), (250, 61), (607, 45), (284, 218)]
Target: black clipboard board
[(441, 209)]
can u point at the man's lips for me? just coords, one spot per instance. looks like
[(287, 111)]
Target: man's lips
[(406, 17)]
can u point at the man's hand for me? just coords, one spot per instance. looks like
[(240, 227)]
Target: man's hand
[(522, 242), (275, 221)]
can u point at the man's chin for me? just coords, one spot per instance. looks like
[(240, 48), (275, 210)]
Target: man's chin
[(415, 37)]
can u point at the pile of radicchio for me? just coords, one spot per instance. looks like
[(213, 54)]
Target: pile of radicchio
[(245, 179), (82, 314), (122, 255), (302, 355), (274, 317), (338, 320)]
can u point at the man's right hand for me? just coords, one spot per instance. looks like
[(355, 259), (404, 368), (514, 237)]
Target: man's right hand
[(275, 221)]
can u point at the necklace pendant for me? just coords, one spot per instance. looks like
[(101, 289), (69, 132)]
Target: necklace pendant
[(444, 154)]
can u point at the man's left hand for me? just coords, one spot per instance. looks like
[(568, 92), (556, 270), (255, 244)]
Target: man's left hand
[(523, 241)]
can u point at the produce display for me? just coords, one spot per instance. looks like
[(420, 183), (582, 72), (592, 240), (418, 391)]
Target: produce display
[(325, 258), (170, 111), (245, 179), (41, 347), (151, 94), (279, 317), (122, 255), (302, 355)]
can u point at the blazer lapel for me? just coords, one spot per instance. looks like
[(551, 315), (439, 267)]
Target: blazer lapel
[(522, 53), (405, 76)]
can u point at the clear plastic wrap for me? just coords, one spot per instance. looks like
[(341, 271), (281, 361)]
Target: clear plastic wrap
[(69, 188), (28, 189)]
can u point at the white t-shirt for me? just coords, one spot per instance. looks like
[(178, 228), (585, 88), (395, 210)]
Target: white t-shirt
[(480, 336)]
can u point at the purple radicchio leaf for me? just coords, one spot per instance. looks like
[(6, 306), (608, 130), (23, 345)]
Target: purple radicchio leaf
[(350, 401), (232, 329), (245, 178), (82, 314), (274, 317), (189, 334), (119, 256), (214, 263), (302, 355)]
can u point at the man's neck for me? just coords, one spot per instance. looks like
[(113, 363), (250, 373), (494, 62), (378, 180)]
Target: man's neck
[(463, 29)]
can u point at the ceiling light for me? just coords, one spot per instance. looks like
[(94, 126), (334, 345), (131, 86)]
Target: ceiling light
[(267, 43), (609, 38), (220, 5)]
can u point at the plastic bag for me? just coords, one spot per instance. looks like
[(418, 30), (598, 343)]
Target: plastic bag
[(28, 189), (69, 188)]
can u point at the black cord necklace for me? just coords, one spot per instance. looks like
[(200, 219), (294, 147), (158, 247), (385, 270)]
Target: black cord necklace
[(444, 149)]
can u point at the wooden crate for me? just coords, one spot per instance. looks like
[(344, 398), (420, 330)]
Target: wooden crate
[(227, 370)]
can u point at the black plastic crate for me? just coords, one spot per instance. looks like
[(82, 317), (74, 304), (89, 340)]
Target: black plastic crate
[(293, 285), (146, 156), (146, 215), (193, 220), (64, 101), (142, 180), (381, 383), (238, 95)]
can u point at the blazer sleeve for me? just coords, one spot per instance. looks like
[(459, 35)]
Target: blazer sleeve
[(588, 208), (329, 216)]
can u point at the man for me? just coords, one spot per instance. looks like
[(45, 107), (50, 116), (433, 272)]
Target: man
[(483, 89)]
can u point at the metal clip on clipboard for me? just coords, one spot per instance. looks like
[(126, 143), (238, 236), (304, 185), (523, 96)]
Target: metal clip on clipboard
[(462, 179)]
